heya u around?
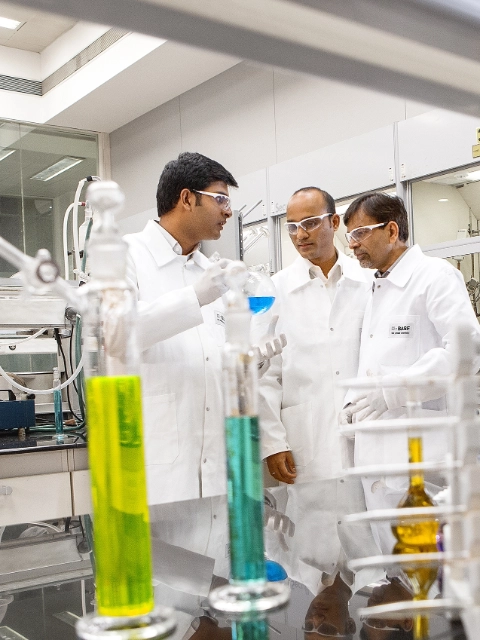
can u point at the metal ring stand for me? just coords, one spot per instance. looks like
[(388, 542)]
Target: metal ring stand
[(157, 625), (242, 601)]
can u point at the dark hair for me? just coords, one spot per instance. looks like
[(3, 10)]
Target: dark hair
[(382, 208), (400, 634), (189, 171), (330, 202)]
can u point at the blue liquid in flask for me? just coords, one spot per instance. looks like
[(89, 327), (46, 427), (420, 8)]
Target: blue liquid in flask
[(260, 304)]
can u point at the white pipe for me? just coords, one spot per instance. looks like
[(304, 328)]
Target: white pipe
[(12, 344), (76, 246), (65, 241), (42, 392)]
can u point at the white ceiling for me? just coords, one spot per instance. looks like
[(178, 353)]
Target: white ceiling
[(37, 31)]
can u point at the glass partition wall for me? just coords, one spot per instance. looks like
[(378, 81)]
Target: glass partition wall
[(40, 168), (446, 210)]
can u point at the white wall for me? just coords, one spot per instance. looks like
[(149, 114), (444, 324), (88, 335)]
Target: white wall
[(247, 118)]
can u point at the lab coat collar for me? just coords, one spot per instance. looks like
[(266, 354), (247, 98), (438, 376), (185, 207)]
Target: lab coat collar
[(402, 273), (161, 249), (300, 271)]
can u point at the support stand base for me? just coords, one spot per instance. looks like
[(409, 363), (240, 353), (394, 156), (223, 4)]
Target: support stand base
[(241, 601), (158, 624)]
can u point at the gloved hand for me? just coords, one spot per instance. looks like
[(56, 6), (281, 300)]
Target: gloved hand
[(211, 285), (345, 416), (269, 346), (368, 406), (277, 521)]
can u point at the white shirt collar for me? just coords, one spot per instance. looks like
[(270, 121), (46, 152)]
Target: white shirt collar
[(176, 247)]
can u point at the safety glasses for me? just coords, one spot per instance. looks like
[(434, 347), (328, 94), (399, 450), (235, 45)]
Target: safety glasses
[(222, 200), (325, 629), (380, 624), (309, 224), (362, 233)]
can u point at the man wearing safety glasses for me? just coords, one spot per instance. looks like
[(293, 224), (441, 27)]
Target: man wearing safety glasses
[(181, 329), (409, 323), (320, 302)]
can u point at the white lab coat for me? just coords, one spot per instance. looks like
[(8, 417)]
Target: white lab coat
[(299, 396), (180, 346), (408, 328)]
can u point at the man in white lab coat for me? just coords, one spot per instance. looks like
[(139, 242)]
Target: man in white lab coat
[(181, 330), (320, 301), (408, 327)]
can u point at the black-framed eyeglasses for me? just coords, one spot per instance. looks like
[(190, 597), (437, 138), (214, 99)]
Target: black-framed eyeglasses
[(325, 629), (362, 233), (221, 199), (308, 224)]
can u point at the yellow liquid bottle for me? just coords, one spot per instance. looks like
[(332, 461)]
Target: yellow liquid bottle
[(121, 523), (417, 536)]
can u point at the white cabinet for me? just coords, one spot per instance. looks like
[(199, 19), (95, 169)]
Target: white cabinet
[(33, 498), (81, 493), (436, 141)]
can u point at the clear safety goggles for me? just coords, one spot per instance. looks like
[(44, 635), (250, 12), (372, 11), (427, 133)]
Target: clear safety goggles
[(309, 224), (362, 233), (325, 629), (221, 199), (382, 625)]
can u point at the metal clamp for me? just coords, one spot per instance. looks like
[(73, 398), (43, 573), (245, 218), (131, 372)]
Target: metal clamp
[(5, 491)]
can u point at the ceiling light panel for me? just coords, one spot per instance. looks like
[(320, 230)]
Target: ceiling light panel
[(57, 168), (7, 23)]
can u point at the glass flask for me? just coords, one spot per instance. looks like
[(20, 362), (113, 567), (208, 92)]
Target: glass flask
[(260, 291), (417, 536)]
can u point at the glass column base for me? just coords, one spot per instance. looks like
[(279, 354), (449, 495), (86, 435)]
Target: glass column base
[(158, 624), (240, 600)]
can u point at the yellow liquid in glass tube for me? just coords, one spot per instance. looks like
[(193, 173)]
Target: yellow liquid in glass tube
[(121, 523), (417, 536)]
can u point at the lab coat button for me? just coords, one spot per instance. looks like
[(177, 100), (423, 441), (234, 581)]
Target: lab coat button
[(207, 408), (337, 373), (331, 328), (371, 335), (204, 460), (207, 358)]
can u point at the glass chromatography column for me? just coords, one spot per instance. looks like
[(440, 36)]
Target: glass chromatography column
[(248, 591), (122, 550)]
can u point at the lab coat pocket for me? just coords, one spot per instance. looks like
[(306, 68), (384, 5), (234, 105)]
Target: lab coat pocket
[(161, 434), (298, 424)]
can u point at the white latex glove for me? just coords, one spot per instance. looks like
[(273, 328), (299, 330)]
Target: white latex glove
[(277, 521), (269, 346), (368, 406), (211, 285), (345, 416)]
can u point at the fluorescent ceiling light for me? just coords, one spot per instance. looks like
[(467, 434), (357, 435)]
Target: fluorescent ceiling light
[(56, 169), (443, 199), (4, 153), (6, 23), (473, 175)]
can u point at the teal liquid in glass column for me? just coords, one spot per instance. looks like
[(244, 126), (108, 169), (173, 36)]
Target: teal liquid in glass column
[(252, 630), (245, 499)]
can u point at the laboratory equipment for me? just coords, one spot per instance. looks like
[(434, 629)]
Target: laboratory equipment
[(122, 536), (416, 520), (57, 405), (417, 536), (260, 291), (248, 591)]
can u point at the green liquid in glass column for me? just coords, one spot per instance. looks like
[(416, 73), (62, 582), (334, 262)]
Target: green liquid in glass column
[(252, 630), (121, 523), (245, 498)]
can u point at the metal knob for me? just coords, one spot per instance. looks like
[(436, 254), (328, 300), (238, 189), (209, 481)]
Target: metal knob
[(5, 491)]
